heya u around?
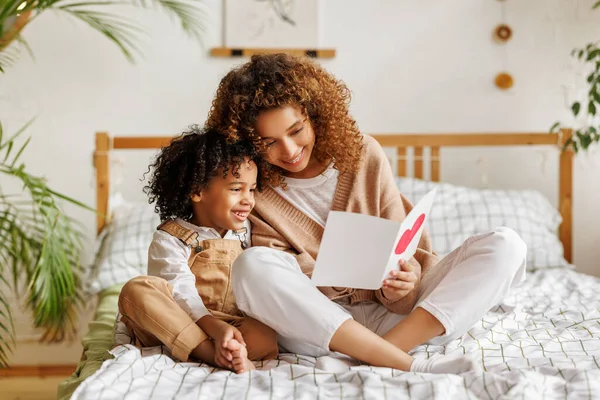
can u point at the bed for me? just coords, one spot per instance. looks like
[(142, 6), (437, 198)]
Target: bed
[(542, 341)]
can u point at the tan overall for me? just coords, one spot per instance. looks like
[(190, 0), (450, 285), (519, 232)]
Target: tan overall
[(153, 317)]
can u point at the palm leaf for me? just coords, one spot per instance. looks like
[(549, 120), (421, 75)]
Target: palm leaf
[(47, 256), (12, 138), (9, 56), (192, 15), (118, 30), (24, 44), (40, 243), (5, 313)]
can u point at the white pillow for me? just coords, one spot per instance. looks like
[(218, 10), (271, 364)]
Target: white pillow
[(122, 247), (460, 212)]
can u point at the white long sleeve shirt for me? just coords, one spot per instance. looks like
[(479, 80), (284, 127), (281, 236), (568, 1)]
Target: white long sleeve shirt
[(168, 258)]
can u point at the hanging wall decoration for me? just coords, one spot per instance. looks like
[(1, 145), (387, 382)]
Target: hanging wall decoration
[(502, 34), (504, 80)]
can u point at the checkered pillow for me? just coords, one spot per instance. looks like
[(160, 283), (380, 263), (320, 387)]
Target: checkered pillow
[(122, 247), (459, 212)]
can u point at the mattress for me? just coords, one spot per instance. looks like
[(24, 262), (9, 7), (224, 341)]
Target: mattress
[(542, 341)]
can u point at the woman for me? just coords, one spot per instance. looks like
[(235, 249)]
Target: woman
[(317, 161)]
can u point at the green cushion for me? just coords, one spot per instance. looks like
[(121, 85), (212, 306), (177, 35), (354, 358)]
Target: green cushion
[(96, 343)]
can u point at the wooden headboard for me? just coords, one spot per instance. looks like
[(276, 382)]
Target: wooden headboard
[(419, 142)]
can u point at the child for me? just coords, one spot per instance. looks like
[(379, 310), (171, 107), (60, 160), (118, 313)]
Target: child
[(204, 191)]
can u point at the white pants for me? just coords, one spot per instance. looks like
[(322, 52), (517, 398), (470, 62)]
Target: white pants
[(270, 287)]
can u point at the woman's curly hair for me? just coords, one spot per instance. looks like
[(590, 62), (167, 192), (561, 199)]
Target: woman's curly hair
[(187, 165), (279, 80)]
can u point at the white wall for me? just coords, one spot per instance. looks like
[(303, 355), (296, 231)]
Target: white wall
[(413, 66)]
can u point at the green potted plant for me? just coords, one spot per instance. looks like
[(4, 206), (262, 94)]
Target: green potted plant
[(586, 109), (40, 246)]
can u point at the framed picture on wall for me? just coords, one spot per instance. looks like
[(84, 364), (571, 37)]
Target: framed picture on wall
[(271, 23)]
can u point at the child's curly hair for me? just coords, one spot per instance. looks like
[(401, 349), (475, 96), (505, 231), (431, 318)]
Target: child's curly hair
[(279, 80), (187, 165)]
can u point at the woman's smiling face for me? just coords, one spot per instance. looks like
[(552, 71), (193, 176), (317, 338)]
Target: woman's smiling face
[(289, 139)]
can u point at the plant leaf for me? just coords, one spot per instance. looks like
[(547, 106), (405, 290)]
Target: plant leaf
[(17, 134), (585, 139), (71, 200), (593, 54), (25, 45), (117, 29), (193, 16), (568, 142), (591, 77), (41, 245), (575, 108), (8, 56), (591, 108), (14, 161)]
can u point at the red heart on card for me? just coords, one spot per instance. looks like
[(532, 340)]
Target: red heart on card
[(409, 234)]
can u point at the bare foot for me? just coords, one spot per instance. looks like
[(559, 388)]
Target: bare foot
[(240, 361)]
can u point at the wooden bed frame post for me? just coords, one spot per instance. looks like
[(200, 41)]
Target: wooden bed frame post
[(102, 178), (566, 195)]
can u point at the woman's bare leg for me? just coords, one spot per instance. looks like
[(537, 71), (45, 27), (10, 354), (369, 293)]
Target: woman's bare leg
[(358, 342), (406, 336), (355, 340)]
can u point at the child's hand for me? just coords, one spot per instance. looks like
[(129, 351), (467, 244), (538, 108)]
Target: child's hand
[(222, 333), (400, 283)]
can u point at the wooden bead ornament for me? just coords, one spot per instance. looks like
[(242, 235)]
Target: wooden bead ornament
[(504, 81), (502, 33)]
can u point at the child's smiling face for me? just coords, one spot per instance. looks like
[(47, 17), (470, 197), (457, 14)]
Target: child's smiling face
[(227, 201)]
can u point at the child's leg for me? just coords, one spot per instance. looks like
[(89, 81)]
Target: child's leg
[(205, 352), (153, 316), (461, 289), (261, 340), (139, 336)]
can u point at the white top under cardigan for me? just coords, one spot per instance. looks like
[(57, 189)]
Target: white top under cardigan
[(313, 196)]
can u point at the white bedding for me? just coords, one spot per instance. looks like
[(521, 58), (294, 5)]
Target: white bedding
[(541, 342)]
